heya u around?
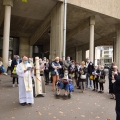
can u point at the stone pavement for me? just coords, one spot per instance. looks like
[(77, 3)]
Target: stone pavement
[(82, 106)]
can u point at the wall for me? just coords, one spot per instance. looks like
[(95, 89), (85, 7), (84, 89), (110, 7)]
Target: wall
[(71, 52)]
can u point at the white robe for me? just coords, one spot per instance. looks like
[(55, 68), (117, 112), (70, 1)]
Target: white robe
[(24, 96)]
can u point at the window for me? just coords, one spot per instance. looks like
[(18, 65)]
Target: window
[(106, 48), (106, 52), (105, 56)]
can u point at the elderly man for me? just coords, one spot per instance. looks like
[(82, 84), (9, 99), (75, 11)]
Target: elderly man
[(111, 84), (25, 72)]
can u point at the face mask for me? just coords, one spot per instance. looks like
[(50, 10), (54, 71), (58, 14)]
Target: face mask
[(57, 61), (88, 61), (68, 60), (65, 73), (25, 62)]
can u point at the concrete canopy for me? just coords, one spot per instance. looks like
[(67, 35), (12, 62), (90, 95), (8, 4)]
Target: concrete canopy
[(27, 17), (77, 16)]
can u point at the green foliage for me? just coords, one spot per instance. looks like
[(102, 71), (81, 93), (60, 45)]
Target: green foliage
[(24, 0)]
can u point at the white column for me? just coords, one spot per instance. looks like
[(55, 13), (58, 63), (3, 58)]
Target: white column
[(6, 32), (91, 52)]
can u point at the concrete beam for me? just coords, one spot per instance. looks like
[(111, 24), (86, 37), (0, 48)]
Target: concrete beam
[(40, 31), (79, 28), (98, 42)]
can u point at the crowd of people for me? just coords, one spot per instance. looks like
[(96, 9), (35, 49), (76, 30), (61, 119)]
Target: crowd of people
[(83, 75)]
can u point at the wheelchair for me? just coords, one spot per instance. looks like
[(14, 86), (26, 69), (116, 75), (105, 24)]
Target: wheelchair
[(71, 88)]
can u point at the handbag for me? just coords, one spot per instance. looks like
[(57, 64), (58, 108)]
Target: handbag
[(14, 74), (2, 69), (65, 81), (91, 77), (102, 80), (83, 77)]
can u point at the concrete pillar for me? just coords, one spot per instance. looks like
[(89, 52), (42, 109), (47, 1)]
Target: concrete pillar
[(91, 52), (114, 51), (24, 47), (56, 33), (118, 47), (80, 56), (76, 54), (83, 55), (6, 33), (31, 51)]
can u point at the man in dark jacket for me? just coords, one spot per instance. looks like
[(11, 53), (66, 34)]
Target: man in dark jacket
[(46, 71), (14, 63), (117, 91), (61, 63), (90, 69), (110, 81)]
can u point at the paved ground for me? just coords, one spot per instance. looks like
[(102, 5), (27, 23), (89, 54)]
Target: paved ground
[(82, 106)]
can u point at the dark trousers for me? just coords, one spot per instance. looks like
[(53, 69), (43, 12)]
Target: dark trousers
[(95, 83), (101, 86), (14, 80), (47, 77), (117, 106)]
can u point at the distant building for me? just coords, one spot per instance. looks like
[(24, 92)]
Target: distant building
[(103, 55)]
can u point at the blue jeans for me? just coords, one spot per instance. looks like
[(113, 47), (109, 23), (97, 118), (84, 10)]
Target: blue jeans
[(64, 86), (88, 82)]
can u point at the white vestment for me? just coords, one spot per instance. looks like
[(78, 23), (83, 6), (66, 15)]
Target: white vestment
[(25, 83)]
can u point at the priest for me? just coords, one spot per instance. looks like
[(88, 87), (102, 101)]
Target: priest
[(25, 73)]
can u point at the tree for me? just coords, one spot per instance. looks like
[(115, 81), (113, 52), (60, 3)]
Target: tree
[(24, 0)]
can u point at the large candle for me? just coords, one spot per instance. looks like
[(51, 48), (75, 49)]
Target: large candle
[(38, 78)]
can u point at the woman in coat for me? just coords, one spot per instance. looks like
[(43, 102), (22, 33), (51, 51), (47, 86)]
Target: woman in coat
[(82, 76), (101, 77)]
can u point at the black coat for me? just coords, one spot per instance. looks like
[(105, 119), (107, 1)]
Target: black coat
[(110, 75), (90, 68), (117, 84), (97, 71), (102, 76), (14, 62), (61, 70)]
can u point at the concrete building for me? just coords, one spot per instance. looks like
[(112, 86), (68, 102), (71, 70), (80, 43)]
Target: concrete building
[(36, 28)]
